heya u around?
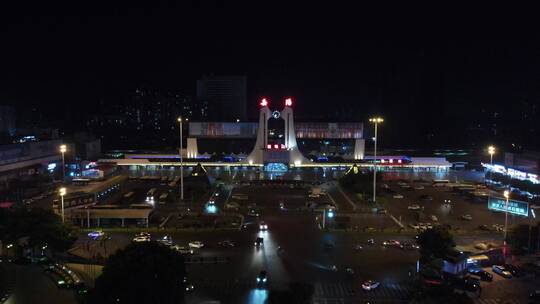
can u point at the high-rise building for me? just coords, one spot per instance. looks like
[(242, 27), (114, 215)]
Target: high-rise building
[(7, 120), (225, 96)]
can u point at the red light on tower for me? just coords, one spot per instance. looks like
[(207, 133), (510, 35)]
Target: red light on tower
[(288, 102), (276, 147), (264, 102)]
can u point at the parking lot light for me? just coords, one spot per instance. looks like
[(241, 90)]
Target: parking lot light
[(507, 196)]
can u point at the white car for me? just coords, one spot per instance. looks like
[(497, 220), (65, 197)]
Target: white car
[(96, 234), (370, 285), (196, 244), (466, 217), (141, 238), (398, 196), (182, 249), (414, 207), (263, 226), (434, 218)]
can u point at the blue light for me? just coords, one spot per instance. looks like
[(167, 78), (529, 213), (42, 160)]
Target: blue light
[(330, 214), (276, 167), (211, 208)]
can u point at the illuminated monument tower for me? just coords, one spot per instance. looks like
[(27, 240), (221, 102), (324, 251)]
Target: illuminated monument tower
[(287, 153)]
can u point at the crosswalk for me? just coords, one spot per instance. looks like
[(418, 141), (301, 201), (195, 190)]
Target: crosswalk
[(324, 292), (345, 290), (496, 301)]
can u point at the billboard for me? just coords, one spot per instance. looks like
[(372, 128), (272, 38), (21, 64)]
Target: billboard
[(223, 129), (325, 130), (514, 207)]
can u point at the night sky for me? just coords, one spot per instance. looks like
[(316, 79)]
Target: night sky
[(426, 86)]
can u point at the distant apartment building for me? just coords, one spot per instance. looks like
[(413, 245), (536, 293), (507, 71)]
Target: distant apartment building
[(23, 159), (225, 97)]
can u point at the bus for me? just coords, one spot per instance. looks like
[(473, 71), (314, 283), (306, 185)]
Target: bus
[(163, 198), (150, 194), (440, 182)]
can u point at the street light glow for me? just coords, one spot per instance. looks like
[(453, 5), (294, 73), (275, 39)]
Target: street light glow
[(491, 150), (63, 148), (62, 191), (376, 119), (506, 194)]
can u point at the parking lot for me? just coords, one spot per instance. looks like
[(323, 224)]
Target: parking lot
[(442, 205)]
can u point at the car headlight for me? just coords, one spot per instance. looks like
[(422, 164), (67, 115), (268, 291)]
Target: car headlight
[(258, 279), (264, 280)]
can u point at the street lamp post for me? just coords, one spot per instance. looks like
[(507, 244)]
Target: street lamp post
[(491, 151), (181, 120), (62, 192), (375, 121), (63, 149), (506, 196)]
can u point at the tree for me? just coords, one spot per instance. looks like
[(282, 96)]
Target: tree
[(358, 181), (141, 273), (520, 236), (39, 226), (435, 243)]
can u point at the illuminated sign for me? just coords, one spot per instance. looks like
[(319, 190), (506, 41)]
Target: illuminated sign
[(513, 173), (513, 207)]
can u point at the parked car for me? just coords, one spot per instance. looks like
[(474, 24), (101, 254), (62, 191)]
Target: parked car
[(227, 243), (398, 196), (434, 218), (426, 198), (466, 217), (482, 274), (467, 284), (514, 270), (414, 207), (502, 271)]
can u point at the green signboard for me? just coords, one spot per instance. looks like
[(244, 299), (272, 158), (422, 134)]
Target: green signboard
[(513, 207)]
